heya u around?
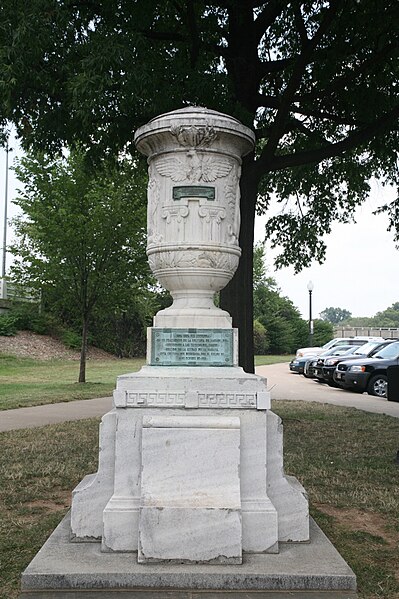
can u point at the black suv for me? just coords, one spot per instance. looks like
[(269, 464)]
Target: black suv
[(329, 364), (368, 374), (316, 367)]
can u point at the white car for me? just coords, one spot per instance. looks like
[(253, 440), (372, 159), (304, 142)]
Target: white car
[(315, 351)]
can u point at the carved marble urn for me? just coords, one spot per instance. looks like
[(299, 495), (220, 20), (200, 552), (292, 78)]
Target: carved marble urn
[(193, 220)]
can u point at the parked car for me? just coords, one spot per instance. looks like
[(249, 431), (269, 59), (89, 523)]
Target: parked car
[(368, 374), (315, 368), (368, 350), (298, 363), (311, 363), (316, 351)]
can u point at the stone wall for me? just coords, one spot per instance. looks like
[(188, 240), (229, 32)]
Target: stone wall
[(385, 332)]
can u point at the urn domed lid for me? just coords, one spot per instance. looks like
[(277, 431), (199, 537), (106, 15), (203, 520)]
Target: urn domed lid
[(195, 127)]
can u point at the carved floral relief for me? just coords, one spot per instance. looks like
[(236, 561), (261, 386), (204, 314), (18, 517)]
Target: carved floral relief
[(194, 136)]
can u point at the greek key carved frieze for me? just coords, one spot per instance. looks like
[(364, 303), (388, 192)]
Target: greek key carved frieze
[(192, 399), (226, 400), (155, 399)]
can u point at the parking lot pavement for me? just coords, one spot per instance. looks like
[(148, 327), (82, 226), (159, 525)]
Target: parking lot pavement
[(285, 384)]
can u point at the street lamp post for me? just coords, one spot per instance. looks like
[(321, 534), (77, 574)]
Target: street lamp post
[(310, 289), (3, 270)]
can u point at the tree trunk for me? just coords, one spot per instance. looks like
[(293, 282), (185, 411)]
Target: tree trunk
[(82, 369), (237, 296)]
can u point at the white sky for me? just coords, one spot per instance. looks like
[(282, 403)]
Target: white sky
[(13, 185), (360, 273), (361, 269)]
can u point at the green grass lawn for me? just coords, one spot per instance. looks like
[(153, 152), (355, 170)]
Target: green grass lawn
[(266, 360), (343, 457), (27, 382)]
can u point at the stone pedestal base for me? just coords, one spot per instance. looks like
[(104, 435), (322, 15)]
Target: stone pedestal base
[(195, 442), (65, 570), (190, 490)]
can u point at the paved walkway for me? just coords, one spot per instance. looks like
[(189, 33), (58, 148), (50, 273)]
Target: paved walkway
[(53, 413), (283, 384)]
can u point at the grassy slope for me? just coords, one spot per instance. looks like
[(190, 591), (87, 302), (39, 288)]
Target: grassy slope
[(27, 382), (344, 458)]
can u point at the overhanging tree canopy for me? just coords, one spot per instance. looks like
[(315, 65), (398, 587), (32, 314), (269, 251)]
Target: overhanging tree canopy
[(317, 80)]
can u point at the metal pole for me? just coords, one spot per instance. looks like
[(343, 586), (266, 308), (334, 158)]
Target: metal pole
[(3, 270), (310, 289)]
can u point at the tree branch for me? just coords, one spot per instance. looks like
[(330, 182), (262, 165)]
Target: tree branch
[(163, 36), (337, 84), (268, 101), (274, 66), (269, 14), (357, 138), (323, 114), (300, 25), (273, 102), (194, 36), (294, 82), (294, 123)]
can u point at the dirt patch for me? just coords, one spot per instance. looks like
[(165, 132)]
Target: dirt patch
[(26, 344), (60, 501), (48, 505), (364, 521)]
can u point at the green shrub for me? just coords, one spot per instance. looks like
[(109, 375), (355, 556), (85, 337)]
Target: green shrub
[(71, 339), (122, 334), (280, 334), (8, 326), (25, 315), (29, 318), (260, 339), (323, 332)]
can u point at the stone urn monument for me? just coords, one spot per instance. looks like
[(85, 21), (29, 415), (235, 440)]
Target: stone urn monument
[(194, 446), (190, 491), (194, 165)]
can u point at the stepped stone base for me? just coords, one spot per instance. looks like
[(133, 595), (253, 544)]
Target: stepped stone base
[(66, 570)]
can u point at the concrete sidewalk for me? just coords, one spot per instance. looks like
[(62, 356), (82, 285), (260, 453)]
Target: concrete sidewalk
[(53, 413), (283, 384)]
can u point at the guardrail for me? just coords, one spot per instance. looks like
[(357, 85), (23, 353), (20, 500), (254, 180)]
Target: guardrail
[(12, 291)]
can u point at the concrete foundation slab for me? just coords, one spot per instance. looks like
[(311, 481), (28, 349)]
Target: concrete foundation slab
[(149, 594), (65, 570)]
